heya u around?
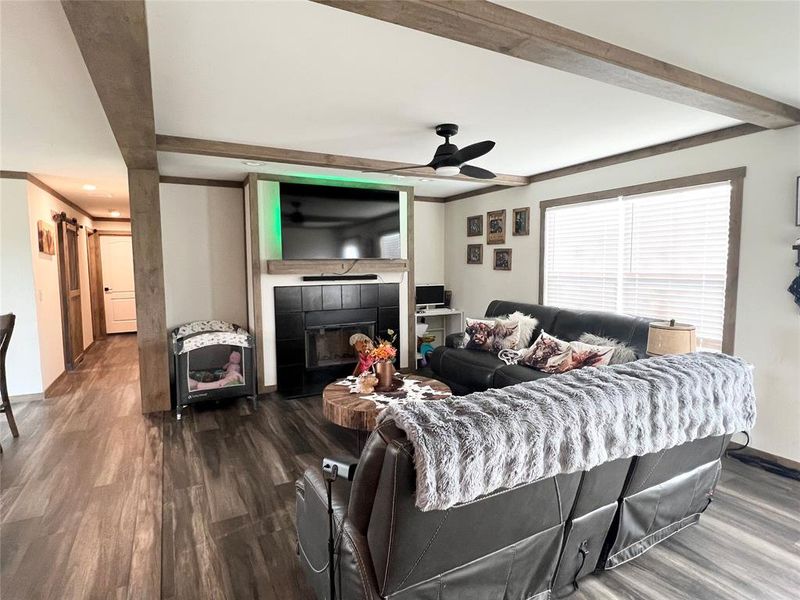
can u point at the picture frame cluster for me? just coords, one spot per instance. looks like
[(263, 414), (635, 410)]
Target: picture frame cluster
[(496, 235)]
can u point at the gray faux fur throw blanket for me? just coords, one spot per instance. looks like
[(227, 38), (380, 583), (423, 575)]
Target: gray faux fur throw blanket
[(465, 447)]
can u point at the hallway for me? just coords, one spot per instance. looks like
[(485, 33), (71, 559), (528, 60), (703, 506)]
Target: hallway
[(86, 467)]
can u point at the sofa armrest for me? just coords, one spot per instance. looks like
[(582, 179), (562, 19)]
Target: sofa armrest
[(454, 340), (355, 575)]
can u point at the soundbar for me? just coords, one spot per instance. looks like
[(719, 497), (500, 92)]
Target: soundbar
[(339, 277)]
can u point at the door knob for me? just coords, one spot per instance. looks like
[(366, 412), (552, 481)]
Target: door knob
[(106, 289)]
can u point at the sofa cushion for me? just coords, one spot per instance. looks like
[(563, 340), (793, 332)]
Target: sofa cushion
[(514, 374), (472, 369), (632, 331)]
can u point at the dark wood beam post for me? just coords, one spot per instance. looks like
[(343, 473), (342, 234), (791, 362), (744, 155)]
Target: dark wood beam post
[(148, 275)]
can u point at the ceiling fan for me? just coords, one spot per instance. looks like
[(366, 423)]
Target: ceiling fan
[(449, 161)]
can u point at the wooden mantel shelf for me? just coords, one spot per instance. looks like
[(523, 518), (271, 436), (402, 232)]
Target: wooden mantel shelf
[(337, 266)]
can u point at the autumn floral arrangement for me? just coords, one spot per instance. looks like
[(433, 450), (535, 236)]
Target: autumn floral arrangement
[(384, 350)]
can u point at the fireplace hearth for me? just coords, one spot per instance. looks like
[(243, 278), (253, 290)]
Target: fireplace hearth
[(313, 325)]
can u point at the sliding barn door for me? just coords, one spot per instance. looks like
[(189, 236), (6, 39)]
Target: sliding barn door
[(70, 280)]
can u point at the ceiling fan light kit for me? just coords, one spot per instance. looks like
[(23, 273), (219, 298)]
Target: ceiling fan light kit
[(448, 171)]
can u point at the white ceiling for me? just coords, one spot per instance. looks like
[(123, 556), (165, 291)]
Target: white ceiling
[(51, 121), (754, 45), (309, 77)]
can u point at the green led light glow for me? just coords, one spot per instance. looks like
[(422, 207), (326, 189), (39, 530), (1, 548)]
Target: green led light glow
[(270, 230)]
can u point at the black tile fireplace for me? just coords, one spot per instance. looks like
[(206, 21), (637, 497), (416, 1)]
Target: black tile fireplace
[(313, 325)]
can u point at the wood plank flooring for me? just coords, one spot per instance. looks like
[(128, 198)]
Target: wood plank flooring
[(84, 514), (80, 489)]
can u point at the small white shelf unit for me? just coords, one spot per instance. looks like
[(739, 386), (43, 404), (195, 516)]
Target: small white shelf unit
[(441, 322)]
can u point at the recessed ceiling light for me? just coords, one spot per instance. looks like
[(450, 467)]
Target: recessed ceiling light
[(253, 163), (114, 213), (89, 187), (424, 179), (398, 176)]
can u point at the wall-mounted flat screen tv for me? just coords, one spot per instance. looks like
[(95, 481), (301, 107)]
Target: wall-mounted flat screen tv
[(322, 221)]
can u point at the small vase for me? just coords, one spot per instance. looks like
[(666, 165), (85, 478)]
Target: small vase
[(385, 373)]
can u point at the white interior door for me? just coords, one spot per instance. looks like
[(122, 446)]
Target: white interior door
[(116, 255)]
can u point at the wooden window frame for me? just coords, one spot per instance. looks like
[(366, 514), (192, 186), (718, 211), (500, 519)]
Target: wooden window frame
[(736, 179)]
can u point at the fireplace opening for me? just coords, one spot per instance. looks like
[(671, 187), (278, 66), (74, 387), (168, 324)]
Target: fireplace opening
[(329, 346)]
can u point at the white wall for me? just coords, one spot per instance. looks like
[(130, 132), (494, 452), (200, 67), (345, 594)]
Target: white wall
[(428, 242), (18, 290), (42, 206), (767, 320), (203, 241)]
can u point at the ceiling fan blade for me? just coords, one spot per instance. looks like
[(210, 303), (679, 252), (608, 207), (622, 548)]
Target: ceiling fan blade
[(396, 169), (476, 172), (468, 153)]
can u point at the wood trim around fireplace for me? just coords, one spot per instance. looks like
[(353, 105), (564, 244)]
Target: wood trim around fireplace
[(317, 267)]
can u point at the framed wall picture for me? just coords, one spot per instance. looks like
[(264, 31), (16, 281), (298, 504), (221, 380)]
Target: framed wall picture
[(47, 238), (522, 221), (496, 227), (502, 259), (474, 254), (474, 225)]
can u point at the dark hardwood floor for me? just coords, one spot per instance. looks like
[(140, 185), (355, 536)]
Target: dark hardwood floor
[(83, 497)]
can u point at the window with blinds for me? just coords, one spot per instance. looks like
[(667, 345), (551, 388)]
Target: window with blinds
[(660, 255)]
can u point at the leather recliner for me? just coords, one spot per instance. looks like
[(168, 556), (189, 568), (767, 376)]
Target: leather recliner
[(467, 371), (521, 543)]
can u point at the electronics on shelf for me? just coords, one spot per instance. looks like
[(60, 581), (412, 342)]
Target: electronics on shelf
[(430, 295)]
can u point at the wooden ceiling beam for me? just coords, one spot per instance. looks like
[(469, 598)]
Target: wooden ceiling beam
[(183, 145), (112, 37), (506, 31), (648, 151)]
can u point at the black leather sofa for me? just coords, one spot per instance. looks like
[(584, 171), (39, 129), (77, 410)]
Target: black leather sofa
[(532, 542), (524, 543), (467, 371)]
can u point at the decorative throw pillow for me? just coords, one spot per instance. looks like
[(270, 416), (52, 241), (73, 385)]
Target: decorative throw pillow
[(491, 336), (621, 354), (548, 354), (552, 355), (505, 335), (478, 335), (527, 325), (587, 355)]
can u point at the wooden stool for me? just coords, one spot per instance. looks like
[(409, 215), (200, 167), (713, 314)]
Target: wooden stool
[(6, 329)]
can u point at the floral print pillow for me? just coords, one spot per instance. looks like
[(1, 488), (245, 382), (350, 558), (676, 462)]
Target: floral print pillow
[(552, 355)]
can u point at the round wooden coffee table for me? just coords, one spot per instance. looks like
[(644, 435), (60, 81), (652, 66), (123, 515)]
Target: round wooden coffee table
[(355, 411)]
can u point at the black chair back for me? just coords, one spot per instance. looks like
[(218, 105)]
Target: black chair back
[(6, 329)]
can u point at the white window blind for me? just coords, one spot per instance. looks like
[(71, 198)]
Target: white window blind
[(661, 255)]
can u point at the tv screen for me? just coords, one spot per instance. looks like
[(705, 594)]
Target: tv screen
[(322, 221)]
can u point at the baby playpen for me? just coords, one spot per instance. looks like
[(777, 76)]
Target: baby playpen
[(212, 360)]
